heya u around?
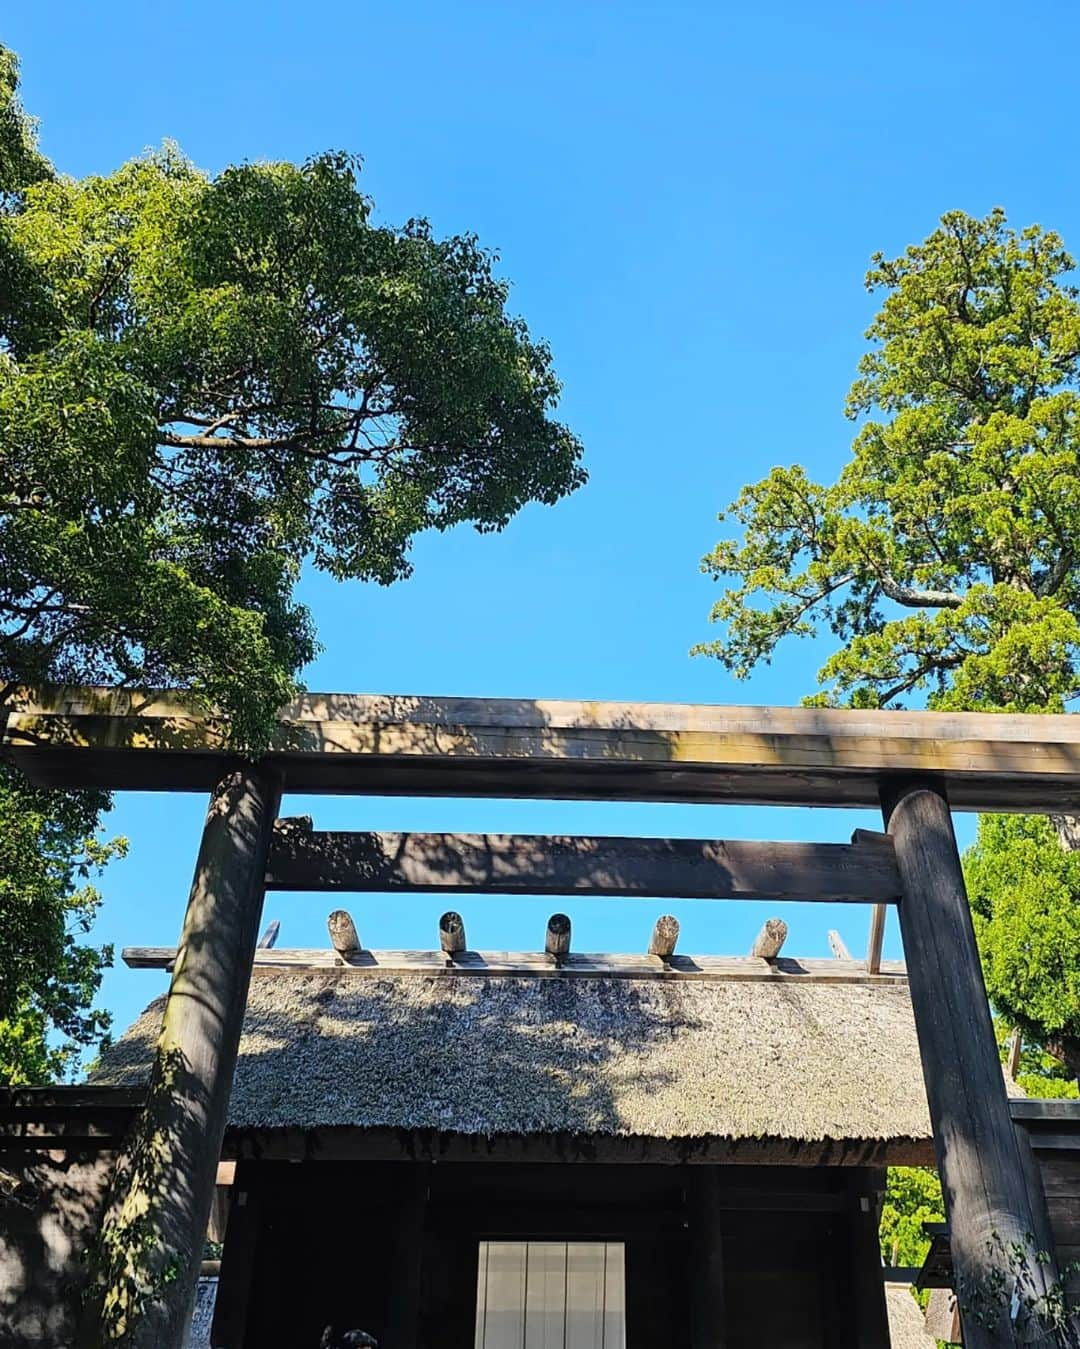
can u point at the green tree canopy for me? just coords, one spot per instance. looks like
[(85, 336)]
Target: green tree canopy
[(1025, 898), (213, 381), (943, 559), (48, 975), (912, 1197), (207, 383), (943, 564), (21, 163)]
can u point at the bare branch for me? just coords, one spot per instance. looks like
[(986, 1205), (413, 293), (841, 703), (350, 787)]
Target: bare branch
[(918, 599), (228, 442)]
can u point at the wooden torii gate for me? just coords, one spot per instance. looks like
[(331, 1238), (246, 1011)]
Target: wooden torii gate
[(915, 766)]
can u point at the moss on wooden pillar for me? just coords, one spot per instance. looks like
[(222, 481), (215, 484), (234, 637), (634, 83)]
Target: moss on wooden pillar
[(150, 1249), (994, 1215)]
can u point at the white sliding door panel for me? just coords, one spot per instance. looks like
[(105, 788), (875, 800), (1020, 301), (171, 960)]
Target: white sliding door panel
[(614, 1295), (551, 1295), (545, 1292), (500, 1310), (585, 1296), (481, 1294)]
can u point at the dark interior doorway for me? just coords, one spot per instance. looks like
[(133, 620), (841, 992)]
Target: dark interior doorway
[(393, 1249)]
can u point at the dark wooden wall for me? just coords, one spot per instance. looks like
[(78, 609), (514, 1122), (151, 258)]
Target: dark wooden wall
[(51, 1203), (1061, 1177), (391, 1248)]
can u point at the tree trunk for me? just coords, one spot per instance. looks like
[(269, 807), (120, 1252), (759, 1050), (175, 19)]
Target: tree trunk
[(1070, 1052), (1068, 831)]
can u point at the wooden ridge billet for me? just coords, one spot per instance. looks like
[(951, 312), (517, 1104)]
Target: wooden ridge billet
[(673, 868), (472, 964)]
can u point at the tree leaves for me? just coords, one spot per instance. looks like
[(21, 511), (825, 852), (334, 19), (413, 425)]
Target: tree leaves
[(1023, 887), (943, 562), (48, 979), (963, 506), (207, 383), (239, 375)]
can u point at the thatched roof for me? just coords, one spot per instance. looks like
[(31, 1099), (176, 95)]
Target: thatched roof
[(731, 1059), (907, 1325)]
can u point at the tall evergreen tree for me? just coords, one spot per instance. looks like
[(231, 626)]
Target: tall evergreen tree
[(943, 564)]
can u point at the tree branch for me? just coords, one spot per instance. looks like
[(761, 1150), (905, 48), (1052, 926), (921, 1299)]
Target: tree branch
[(228, 442), (911, 598), (927, 667), (1051, 580)]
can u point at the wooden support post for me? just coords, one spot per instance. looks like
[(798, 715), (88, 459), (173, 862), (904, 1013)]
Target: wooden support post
[(557, 940), (452, 933), (238, 1259), (707, 1277), (664, 937), (1016, 1048), (770, 939), (403, 1313), (219, 1214), (990, 1205), (165, 1183), (877, 938), (867, 1288)]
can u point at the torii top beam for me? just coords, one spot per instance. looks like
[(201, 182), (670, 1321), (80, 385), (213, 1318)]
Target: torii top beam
[(425, 746)]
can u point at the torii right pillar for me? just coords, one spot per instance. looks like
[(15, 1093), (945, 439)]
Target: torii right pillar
[(993, 1204)]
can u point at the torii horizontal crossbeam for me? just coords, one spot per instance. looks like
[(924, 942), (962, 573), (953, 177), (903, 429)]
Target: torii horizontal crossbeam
[(420, 746), (526, 864)]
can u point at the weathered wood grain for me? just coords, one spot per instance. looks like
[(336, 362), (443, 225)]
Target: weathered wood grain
[(557, 936), (482, 964), (452, 933), (664, 937), (174, 1152), (538, 864), (1016, 1049), (769, 940), (837, 945), (876, 939), (989, 1204), (537, 748), (1036, 1110), (344, 937)]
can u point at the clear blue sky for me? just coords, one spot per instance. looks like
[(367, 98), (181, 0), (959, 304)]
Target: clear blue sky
[(685, 197)]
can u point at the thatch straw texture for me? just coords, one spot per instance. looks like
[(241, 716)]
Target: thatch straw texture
[(697, 1059)]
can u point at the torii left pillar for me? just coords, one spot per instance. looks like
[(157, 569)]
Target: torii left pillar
[(156, 1225)]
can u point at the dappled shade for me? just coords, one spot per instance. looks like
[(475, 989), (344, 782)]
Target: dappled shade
[(599, 1056)]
